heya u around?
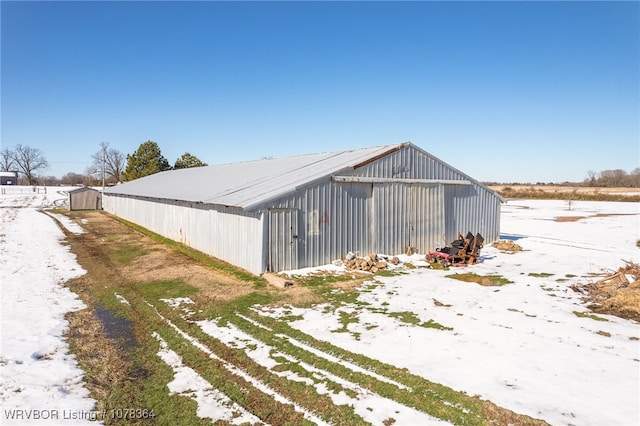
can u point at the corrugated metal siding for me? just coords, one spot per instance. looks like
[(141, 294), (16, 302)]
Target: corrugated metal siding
[(409, 163), (226, 233), (427, 217), (407, 215), (467, 208), (284, 239), (334, 219)]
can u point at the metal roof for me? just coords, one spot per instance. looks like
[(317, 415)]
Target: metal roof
[(248, 184)]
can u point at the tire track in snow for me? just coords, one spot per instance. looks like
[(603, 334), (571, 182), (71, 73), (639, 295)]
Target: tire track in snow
[(326, 356), (370, 406), (211, 402), (239, 372)]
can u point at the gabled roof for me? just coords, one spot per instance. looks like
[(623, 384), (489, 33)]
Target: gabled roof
[(82, 189), (250, 183)]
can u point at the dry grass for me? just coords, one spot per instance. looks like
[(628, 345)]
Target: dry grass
[(483, 280), (625, 303), (577, 218), (560, 192), (617, 294), (501, 417), (105, 364)]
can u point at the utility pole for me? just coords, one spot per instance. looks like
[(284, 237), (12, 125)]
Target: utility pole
[(103, 160)]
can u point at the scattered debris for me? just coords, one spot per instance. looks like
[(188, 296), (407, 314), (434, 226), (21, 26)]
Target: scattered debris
[(616, 294), (507, 246)]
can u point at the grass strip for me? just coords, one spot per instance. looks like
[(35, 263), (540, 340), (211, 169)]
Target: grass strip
[(212, 369), (302, 394), (197, 255), (484, 280), (588, 315)]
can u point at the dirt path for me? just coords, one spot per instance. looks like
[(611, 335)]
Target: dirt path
[(115, 256)]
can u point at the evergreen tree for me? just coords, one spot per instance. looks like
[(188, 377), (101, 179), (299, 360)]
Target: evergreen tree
[(187, 160), (145, 161)]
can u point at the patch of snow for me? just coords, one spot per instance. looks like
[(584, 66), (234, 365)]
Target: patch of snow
[(521, 345), (122, 299), (68, 224), (39, 375), (178, 301)]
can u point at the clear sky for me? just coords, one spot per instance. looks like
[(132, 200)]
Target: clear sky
[(504, 91)]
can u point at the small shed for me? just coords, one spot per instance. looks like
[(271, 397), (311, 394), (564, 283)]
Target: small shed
[(8, 178), (308, 210), (85, 199)]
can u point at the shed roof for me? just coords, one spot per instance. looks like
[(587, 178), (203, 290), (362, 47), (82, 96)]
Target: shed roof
[(82, 189), (251, 183)]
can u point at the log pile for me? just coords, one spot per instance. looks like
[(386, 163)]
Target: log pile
[(370, 263)]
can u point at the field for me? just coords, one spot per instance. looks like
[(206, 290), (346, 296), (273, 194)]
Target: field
[(568, 192), (104, 321)]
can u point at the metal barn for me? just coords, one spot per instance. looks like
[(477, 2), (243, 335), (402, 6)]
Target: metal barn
[(85, 199), (288, 213)]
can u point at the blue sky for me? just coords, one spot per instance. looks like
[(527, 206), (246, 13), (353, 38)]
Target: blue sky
[(504, 91)]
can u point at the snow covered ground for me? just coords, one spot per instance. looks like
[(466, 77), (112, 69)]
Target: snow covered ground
[(520, 345), (40, 380)]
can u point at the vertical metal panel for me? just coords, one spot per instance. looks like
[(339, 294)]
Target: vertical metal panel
[(407, 215), (426, 217), (467, 208), (283, 239), (226, 233), (334, 219), (391, 207)]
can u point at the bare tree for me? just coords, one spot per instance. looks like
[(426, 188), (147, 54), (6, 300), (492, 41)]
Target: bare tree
[(613, 178), (29, 161), (6, 160), (108, 163), (72, 178)]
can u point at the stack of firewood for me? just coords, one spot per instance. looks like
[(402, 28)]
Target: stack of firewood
[(371, 262)]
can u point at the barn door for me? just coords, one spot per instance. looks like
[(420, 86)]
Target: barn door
[(283, 239), (426, 217), (408, 215), (391, 229)]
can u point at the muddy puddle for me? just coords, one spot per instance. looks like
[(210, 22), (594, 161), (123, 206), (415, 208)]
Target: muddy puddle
[(117, 328)]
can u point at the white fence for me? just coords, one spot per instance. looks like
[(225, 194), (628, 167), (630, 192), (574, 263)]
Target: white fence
[(13, 190)]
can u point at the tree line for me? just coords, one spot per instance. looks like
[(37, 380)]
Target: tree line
[(109, 166), (616, 178)]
